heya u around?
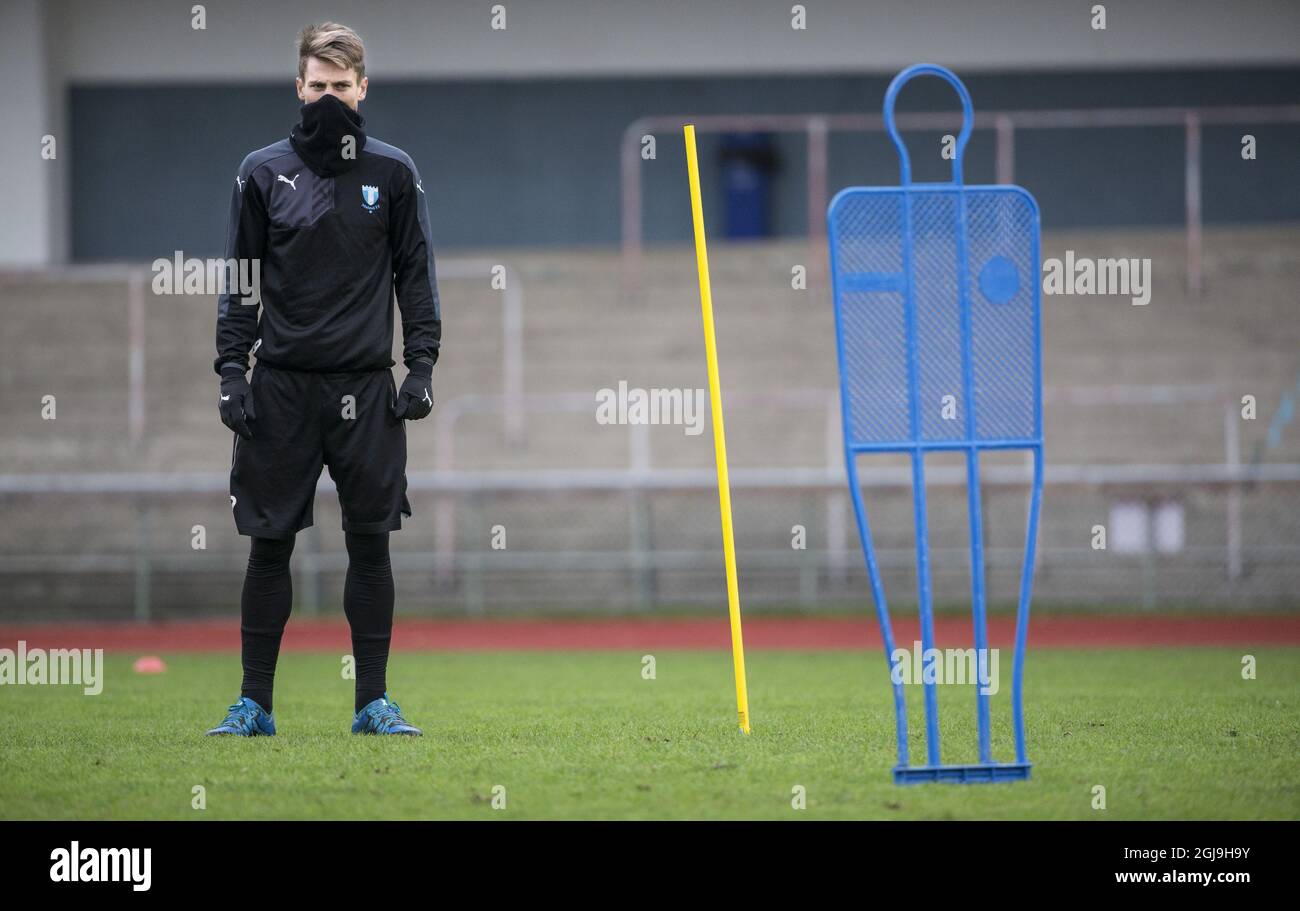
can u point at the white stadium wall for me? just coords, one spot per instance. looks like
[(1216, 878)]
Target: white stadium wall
[(49, 48)]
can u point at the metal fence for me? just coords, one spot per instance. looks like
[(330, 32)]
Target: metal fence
[(644, 539), (818, 127)]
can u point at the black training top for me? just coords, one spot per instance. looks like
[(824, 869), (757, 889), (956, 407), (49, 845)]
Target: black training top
[(335, 236)]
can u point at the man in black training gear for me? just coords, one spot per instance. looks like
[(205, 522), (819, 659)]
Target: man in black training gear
[(337, 222)]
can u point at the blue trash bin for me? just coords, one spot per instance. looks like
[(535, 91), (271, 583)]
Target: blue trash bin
[(748, 163)]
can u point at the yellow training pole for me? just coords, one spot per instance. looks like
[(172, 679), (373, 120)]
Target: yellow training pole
[(719, 435)]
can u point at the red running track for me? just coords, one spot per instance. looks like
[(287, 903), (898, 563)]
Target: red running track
[(635, 634)]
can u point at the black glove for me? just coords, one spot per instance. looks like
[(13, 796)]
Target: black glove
[(236, 403), (414, 400)]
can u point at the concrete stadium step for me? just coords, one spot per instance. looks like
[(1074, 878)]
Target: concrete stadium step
[(70, 340)]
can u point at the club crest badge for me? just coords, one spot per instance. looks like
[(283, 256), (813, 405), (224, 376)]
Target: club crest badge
[(369, 198)]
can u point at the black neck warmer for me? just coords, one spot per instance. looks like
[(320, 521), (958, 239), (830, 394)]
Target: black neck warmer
[(318, 136)]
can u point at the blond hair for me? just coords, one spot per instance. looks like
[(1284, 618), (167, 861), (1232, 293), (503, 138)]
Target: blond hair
[(333, 43)]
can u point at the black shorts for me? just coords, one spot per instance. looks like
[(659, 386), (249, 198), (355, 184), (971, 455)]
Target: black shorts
[(305, 421)]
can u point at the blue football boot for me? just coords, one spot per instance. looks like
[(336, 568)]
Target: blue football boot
[(246, 719), (383, 717)]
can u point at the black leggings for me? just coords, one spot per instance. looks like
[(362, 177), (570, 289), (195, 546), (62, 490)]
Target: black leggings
[(368, 602), (268, 599)]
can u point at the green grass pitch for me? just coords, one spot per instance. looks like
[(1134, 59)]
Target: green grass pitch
[(1168, 733)]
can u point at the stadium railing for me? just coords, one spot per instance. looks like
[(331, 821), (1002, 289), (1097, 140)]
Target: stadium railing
[(817, 128)]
